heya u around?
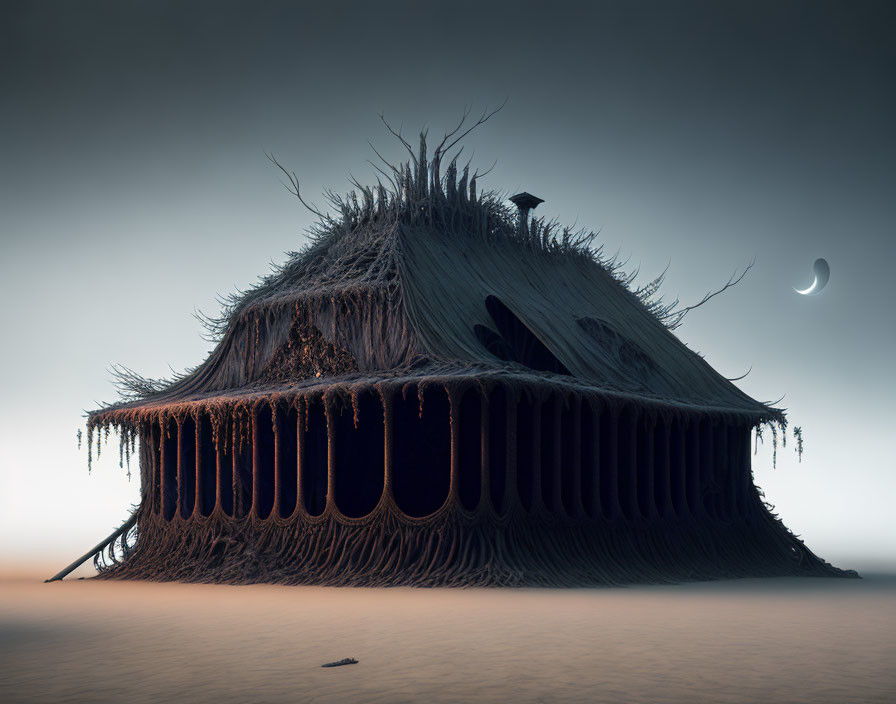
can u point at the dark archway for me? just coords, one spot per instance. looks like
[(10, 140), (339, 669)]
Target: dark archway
[(550, 444), (208, 466), (470, 450), (497, 448), (422, 447), (187, 467), (263, 462), (590, 477), (570, 453), (169, 468), (359, 455), (314, 458), (525, 457), (287, 447)]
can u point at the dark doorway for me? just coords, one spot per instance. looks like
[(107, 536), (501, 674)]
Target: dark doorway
[(263, 462), (359, 455), (497, 448), (314, 458), (187, 466), (422, 451), (287, 433), (470, 450)]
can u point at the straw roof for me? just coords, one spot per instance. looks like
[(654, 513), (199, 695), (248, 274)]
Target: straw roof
[(426, 277)]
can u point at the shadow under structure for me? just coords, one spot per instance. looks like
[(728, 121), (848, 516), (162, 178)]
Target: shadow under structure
[(443, 390)]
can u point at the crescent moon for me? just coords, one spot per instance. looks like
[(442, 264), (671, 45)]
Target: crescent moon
[(822, 274)]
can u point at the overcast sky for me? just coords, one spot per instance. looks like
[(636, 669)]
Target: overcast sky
[(134, 188)]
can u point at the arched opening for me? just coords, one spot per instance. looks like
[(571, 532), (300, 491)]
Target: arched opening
[(590, 472), (645, 469), (153, 450), (208, 477), (241, 461), (422, 463), (707, 468), (497, 448), (661, 467), (734, 474), (627, 463), (745, 479), (550, 444), (187, 466), (677, 464), (169, 468), (314, 458), (470, 450), (263, 462), (570, 448), (359, 455), (722, 471), (608, 463), (692, 466), (526, 438), (287, 446)]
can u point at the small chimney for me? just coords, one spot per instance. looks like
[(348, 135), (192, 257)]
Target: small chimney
[(525, 202)]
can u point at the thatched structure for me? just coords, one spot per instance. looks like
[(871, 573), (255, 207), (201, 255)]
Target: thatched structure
[(440, 392)]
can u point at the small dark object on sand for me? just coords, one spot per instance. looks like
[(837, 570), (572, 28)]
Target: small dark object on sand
[(344, 661)]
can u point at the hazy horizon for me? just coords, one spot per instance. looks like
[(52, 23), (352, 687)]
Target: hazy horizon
[(134, 189)]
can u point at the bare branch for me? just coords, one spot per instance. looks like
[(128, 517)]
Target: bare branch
[(486, 115), (733, 281), (293, 186), (400, 139)]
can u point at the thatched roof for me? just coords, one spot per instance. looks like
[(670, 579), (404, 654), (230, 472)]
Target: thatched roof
[(427, 277)]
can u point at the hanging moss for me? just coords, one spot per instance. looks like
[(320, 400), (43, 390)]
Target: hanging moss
[(798, 436)]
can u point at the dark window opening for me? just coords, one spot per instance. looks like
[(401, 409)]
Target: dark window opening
[(549, 446), (497, 448), (314, 460), (525, 462), (661, 467), (516, 342), (208, 477), (693, 468), (677, 467), (264, 472), (568, 453), (645, 468), (721, 472), (627, 465), (742, 469), (169, 478), (155, 440), (707, 467), (422, 452), (590, 459), (608, 465), (287, 427), (359, 455), (187, 466), (241, 461), (470, 469)]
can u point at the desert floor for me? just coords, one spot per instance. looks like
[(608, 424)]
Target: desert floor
[(781, 640)]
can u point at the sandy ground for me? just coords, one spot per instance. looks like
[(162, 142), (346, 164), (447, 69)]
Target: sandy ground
[(785, 640)]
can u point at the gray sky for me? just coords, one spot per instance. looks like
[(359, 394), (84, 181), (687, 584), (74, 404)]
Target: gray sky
[(134, 188)]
